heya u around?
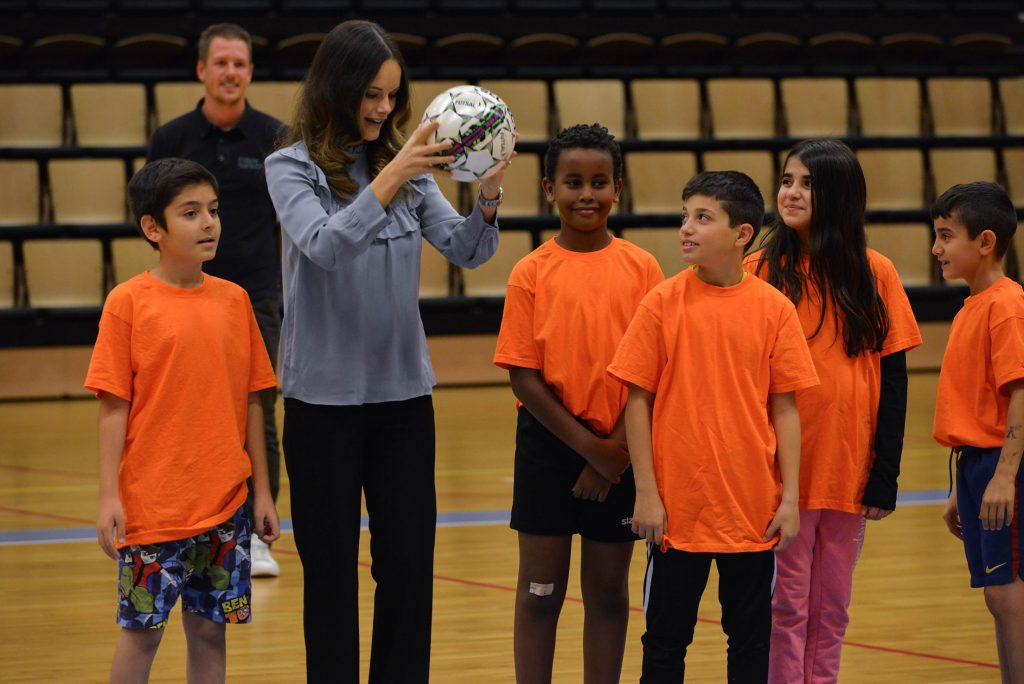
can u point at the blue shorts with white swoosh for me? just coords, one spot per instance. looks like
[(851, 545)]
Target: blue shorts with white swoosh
[(993, 556)]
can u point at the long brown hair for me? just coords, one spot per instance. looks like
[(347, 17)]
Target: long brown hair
[(839, 266), (328, 112)]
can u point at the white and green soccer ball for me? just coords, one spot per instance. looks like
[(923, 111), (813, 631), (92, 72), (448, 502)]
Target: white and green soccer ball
[(480, 126)]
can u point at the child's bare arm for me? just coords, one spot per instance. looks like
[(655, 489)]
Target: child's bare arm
[(649, 519), (997, 502), (618, 432), (113, 427), (951, 516), (609, 457), (265, 524), (786, 419), (591, 485)]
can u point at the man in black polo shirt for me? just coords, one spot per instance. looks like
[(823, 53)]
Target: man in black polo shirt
[(231, 139)]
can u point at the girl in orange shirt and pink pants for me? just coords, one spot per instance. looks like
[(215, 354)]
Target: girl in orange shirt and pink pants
[(858, 323)]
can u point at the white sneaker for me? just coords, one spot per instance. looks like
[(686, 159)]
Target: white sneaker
[(263, 564)]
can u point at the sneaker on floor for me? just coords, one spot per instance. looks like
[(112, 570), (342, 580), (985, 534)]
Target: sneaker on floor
[(263, 564)]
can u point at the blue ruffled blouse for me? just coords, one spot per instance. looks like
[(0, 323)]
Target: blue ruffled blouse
[(352, 332)]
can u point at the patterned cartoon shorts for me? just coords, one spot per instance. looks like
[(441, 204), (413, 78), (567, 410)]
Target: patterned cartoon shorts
[(210, 572)]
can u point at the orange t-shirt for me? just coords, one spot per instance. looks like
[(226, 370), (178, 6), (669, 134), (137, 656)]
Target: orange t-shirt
[(712, 355), (984, 354), (565, 313), (838, 418), (187, 360)]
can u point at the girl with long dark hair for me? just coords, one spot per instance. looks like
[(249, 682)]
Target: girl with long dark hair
[(859, 326)]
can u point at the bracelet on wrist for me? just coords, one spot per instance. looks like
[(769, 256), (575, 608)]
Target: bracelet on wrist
[(490, 203)]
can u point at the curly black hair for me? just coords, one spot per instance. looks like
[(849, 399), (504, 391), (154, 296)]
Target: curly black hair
[(588, 137)]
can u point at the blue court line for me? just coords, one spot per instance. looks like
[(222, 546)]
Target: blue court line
[(65, 535), (922, 497)]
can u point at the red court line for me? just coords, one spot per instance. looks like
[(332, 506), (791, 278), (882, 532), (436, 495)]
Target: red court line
[(45, 471), (931, 656), (52, 516), (575, 599), (854, 644)]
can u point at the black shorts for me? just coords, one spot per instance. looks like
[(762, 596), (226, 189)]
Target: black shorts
[(542, 501)]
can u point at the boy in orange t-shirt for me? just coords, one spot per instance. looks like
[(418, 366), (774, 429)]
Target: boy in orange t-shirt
[(177, 366), (979, 410), (713, 359), (567, 305)]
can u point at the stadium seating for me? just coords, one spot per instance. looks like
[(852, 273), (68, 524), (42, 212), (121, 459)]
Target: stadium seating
[(88, 191), (20, 201), (590, 100), (903, 81), (64, 272), (758, 164), (490, 279), (109, 114), (742, 107), (907, 245), (889, 106), (895, 178), (961, 106), (656, 180), (33, 115), (277, 98), (131, 256), (667, 109), (6, 275), (816, 107), (529, 102), (952, 166), (660, 242)]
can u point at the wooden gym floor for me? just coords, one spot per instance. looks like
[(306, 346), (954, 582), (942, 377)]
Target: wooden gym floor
[(913, 619)]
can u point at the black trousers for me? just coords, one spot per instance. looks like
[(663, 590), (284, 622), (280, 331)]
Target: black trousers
[(333, 455), (268, 319), (673, 586)]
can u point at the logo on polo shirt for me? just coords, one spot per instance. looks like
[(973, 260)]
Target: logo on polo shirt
[(250, 163)]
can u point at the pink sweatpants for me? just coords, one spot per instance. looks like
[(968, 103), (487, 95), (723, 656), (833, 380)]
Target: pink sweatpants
[(814, 582)]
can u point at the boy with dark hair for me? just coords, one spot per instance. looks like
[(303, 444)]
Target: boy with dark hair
[(177, 366), (152, 193), (231, 138), (567, 305), (979, 411), (713, 359)]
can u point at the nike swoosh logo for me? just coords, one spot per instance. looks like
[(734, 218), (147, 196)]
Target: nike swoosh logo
[(989, 571)]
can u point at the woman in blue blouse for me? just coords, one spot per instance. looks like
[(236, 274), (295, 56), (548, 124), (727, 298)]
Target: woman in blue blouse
[(355, 205)]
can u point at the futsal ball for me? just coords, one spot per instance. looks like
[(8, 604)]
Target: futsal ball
[(480, 126)]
